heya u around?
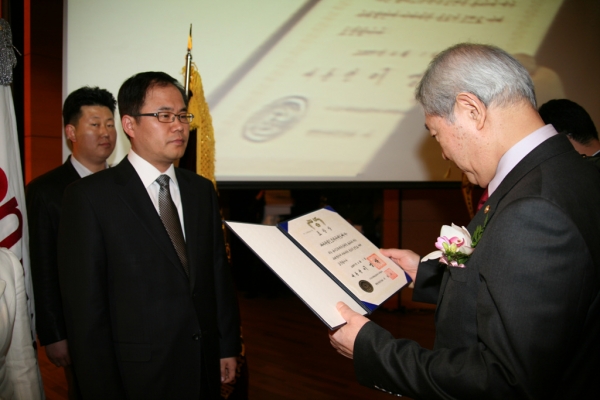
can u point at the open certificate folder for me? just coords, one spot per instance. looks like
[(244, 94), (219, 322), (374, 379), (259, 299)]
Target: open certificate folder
[(324, 259)]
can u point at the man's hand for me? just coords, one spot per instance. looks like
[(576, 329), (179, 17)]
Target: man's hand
[(58, 353), (228, 369), (407, 260), (343, 339)]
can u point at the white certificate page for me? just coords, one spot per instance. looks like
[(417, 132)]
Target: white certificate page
[(318, 291), (348, 255)]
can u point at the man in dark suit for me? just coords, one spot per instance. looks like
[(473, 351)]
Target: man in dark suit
[(569, 118), (88, 117), (149, 302), (518, 316)]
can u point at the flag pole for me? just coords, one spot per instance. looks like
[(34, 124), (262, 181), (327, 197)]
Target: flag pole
[(188, 64)]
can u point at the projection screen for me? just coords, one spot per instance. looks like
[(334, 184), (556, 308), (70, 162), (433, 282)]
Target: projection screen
[(322, 91)]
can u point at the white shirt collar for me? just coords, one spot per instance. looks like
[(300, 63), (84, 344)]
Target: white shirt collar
[(148, 172), (81, 169), (516, 153)]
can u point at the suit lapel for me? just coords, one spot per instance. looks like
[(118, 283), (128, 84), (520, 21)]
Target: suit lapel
[(135, 196), (196, 224), (190, 218), (68, 172), (548, 149), (552, 147)]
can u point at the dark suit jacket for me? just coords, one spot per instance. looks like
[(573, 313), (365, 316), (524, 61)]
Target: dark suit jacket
[(44, 197), (522, 319), (594, 160), (138, 327)]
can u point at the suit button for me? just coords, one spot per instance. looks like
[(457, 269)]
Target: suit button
[(196, 336)]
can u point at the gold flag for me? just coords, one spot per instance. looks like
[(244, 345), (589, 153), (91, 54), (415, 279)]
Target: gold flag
[(205, 167), (205, 135)]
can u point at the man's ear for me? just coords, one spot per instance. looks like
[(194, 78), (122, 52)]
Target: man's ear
[(128, 123), (469, 105), (70, 133)]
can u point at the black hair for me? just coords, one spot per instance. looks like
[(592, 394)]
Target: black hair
[(132, 93), (569, 118), (86, 96)]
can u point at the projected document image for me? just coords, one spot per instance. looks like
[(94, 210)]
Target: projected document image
[(275, 119), (336, 88)]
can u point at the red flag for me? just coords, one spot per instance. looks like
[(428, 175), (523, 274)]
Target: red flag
[(13, 216)]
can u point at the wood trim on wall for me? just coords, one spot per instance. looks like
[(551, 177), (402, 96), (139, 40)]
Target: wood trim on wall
[(42, 86)]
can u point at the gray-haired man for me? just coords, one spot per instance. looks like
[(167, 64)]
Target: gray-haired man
[(519, 319)]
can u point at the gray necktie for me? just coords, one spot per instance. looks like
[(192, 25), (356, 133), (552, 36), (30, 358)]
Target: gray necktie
[(170, 219)]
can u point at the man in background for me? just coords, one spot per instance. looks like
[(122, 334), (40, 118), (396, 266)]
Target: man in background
[(143, 269), (517, 315), (569, 118), (88, 117)]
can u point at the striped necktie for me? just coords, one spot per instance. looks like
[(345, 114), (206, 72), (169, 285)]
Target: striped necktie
[(170, 219)]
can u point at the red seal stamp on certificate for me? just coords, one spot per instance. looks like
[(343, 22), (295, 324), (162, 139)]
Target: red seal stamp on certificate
[(391, 274), (376, 261)]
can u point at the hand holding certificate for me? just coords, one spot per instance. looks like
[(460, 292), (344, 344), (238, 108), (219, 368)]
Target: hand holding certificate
[(324, 260)]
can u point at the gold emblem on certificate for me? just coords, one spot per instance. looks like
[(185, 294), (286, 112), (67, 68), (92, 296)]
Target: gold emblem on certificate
[(366, 286), (315, 223)]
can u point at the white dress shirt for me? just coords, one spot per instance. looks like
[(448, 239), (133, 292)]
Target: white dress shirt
[(79, 167), (516, 153), (148, 174), (82, 169)]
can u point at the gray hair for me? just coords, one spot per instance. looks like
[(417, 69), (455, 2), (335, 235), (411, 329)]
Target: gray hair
[(488, 72)]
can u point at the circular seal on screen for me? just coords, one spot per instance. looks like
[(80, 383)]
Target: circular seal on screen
[(275, 118), (366, 286)]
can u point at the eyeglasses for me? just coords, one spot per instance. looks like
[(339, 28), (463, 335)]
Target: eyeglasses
[(168, 117)]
